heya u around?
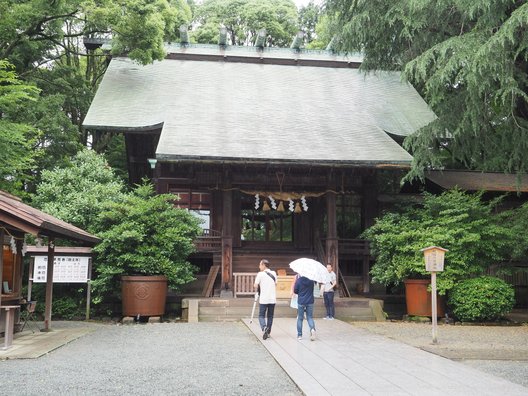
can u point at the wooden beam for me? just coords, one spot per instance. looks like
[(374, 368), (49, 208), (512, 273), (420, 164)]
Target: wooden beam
[(227, 239), (15, 223), (2, 236), (332, 254), (49, 284)]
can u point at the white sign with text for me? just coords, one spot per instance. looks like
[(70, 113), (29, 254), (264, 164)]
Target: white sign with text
[(66, 269)]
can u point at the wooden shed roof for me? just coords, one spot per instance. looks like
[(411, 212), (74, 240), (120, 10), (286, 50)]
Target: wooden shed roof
[(17, 215), (260, 107)]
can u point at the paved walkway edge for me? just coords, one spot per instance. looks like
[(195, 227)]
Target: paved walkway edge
[(346, 360), (35, 345)]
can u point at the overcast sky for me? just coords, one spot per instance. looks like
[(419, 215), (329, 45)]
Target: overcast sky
[(301, 3)]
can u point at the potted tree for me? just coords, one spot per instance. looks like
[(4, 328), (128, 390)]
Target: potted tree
[(145, 245), (458, 221)]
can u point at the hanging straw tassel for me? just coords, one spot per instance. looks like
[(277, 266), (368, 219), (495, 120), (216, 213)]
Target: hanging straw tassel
[(298, 207), (281, 207), (266, 206)]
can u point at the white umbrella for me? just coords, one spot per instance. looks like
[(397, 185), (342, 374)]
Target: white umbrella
[(310, 269)]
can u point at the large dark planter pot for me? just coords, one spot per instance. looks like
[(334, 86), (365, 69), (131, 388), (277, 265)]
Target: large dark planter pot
[(143, 295), (418, 299)]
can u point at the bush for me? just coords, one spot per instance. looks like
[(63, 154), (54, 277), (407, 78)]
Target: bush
[(463, 223), (482, 298), (143, 235)]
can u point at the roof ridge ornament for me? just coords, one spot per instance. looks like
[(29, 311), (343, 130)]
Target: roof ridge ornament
[(298, 41), (260, 41)]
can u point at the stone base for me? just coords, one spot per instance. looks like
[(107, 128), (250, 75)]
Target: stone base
[(127, 320), (154, 319)]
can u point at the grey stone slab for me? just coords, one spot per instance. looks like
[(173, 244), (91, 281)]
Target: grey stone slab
[(347, 358)]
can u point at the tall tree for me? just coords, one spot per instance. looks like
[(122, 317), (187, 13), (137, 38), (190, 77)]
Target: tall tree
[(244, 18), (34, 30), (78, 192), (468, 59), (16, 139), (308, 18), (44, 40)]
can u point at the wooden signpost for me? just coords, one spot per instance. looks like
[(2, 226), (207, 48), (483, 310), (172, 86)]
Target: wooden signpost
[(434, 262)]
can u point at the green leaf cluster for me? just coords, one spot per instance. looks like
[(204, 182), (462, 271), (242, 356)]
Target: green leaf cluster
[(16, 139), (462, 223), (78, 193), (467, 58), (244, 18), (144, 234), (482, 298)]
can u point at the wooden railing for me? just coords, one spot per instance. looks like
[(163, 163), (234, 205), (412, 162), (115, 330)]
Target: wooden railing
[(209, 241), (244, 283), (354, 246)]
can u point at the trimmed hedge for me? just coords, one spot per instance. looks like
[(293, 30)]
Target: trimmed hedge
[(480, 299)]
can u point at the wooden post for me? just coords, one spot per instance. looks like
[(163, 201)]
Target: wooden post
[(370, 212), (433, 305), (2, 236), (19, 268), (366, 271), (227, 239), (49, 284), (30, 276), (332, 254), (89, 289)]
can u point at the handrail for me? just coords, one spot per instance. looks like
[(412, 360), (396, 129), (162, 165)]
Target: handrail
[(210, 240), (244, 283)]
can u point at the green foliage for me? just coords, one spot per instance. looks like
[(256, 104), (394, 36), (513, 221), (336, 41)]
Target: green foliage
[(36, 30), (144, 235), (78, 193), (309, 16), (69, 303), (460, 222), (244, 18), (324, 31), (16, 139), (468, 59), (517, 220), (144, 25), (482, 298)]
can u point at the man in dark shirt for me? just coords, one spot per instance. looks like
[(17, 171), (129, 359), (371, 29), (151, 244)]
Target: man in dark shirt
[(304, 288)]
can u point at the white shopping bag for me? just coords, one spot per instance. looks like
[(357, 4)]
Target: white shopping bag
[(293, 302)]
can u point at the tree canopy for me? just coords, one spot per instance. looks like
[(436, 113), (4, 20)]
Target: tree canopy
[(78, 192), (244, 18), (16, 139), (467, 58)]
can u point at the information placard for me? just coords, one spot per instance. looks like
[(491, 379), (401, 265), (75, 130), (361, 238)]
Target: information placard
[(66, 269)]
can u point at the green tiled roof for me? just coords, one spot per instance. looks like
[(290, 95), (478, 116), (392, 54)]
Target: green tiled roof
[(235, 111)]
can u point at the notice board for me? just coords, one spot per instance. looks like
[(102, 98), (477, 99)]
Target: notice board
[(66, 269)]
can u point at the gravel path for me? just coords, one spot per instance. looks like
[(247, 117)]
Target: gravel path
[(497, 350), (158, 359)]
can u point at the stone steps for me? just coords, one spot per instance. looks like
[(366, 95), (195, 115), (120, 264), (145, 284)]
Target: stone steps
[(233, 309)]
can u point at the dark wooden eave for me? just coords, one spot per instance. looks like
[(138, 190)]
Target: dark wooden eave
[(16, 214)]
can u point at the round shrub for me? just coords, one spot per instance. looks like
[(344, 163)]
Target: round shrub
[(482, 298)]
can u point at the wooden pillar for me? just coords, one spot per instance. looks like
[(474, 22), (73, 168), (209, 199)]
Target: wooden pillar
[(370, 212), (2, 236), (332, 256), (227, 239), (19, 268), (49, 284)]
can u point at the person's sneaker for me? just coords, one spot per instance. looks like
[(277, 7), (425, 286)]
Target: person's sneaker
[(331, 318), (327, 317), (265, 336), (299, 338), (312, 334)]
